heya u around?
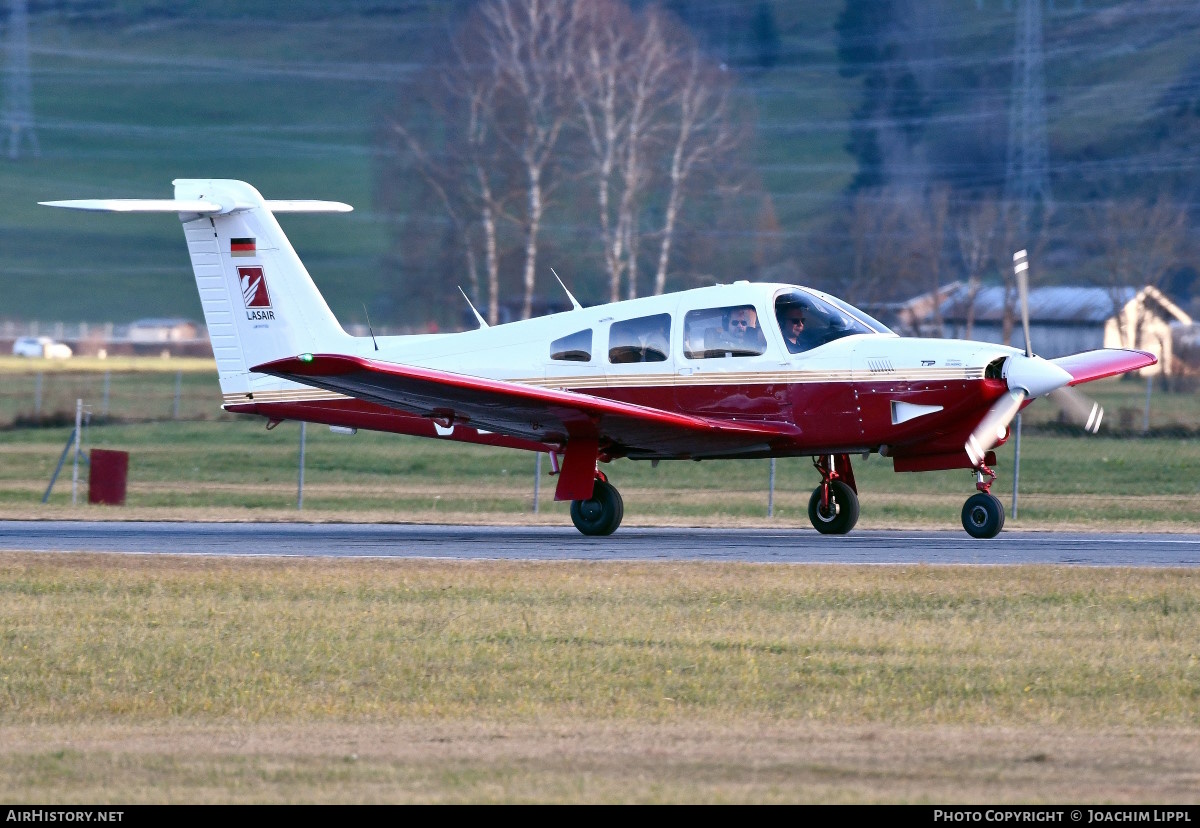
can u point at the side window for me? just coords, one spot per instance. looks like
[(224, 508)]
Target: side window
[(576, 347), (714, 333), (645, 339)]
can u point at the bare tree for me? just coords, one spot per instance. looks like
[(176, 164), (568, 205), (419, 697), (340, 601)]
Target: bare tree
[(1013, 234), (649, 105), (927, 230), (1137, 242), (529, 47), (457, 156), (975, 232), (527, 83), (703, 134)]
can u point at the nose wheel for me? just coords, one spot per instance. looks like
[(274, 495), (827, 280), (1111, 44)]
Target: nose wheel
[(601, 513), (983, 513)]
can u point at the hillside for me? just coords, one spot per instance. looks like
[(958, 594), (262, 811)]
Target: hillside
[(130, 95)]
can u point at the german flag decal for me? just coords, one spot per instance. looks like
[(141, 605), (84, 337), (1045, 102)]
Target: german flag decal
[(241, 247)]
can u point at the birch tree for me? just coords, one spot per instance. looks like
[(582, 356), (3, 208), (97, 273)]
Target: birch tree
[(1136, 243)]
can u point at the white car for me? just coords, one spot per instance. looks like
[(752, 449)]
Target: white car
[(41, 346)]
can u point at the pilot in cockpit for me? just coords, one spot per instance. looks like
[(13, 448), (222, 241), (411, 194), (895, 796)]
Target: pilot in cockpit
[(791, 323)]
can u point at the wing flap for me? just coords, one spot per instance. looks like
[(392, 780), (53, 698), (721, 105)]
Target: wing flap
[(1106, 362), (543, 414)]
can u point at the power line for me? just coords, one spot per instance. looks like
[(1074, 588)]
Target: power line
[(18, 99), (1026, 169)]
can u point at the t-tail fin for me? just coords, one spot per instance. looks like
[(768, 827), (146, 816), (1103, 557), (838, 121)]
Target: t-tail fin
[(259, 302)]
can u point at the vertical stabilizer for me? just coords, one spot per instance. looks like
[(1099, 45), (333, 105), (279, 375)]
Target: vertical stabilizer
[(259, 302)]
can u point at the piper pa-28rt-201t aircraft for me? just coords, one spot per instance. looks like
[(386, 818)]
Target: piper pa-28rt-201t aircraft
[(741, 370)]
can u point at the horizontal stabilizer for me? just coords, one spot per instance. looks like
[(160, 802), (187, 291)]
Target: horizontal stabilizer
[(201, 206), (137, 205), (1107, 362)]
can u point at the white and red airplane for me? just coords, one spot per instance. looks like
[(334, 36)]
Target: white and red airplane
[(699, 374)]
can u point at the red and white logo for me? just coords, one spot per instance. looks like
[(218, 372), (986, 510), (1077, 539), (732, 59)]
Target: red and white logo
[(254, 287)]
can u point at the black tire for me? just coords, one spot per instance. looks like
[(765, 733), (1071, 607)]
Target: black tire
[(601, 513), (983, 515), (843, 514)]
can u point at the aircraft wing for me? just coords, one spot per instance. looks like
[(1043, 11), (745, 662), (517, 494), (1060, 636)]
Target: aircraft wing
[(1107, 362), (543, 414)]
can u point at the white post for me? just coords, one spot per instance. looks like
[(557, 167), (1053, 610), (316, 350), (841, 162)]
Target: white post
[(75, 470), (300, 482), (771, 492), (1016, 465), (1146, 413), (537, 481)]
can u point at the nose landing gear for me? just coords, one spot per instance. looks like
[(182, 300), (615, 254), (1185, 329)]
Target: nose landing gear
[(983, 513)]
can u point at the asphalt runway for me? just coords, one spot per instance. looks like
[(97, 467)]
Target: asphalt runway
[(547, 543)]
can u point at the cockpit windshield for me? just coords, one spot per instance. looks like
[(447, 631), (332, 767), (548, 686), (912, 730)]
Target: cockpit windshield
[(809, 318)]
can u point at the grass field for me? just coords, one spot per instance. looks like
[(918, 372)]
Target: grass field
[(160, 679), (127, 679)]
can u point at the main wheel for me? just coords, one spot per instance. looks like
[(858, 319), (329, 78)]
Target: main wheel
[(840, 515), (983, 515), (601, 513)]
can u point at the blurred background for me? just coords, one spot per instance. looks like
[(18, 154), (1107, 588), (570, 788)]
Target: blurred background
[(893, 152)]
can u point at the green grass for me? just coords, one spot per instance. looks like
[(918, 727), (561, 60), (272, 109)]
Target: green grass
[(157, 678), (311, 641)]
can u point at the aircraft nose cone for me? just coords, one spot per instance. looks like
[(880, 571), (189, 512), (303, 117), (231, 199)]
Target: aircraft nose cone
[(1036, 376)]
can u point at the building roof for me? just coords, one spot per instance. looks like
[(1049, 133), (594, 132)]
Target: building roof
[(1058, 304)]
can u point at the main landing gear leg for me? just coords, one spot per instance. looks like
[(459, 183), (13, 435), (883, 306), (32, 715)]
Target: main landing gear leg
[(983, 513), (601, 513), (833, 507)]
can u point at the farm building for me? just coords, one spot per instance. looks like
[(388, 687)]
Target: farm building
[(1065, 320)]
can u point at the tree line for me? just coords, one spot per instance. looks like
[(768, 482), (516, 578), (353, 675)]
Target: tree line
[(607, 143)]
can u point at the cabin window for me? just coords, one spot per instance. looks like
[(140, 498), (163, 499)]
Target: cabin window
[(576, 347), (714, 333), (645, 339), (821, 319)]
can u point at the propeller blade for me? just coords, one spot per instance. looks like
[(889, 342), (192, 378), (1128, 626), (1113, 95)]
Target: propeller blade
[(994, 424), (1021, 269), (1078, 408)]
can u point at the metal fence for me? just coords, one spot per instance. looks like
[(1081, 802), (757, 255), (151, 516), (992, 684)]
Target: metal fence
[(47, 398)]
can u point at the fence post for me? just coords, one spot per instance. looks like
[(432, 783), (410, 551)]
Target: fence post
[(1146, 413), (1016, 465), (537, 481), (771, 492), (75, 471), (300, 481)]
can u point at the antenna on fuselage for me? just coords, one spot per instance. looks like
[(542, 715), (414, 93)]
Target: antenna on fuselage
[(574, 304), (482, 322), (369, 328)]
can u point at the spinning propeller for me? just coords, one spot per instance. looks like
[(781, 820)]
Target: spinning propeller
[(1029, 376)]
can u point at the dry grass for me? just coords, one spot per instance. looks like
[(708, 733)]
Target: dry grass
[(156, 678)]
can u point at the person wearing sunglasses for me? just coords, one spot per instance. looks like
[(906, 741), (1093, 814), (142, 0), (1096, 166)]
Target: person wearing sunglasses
[(791, 322)]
